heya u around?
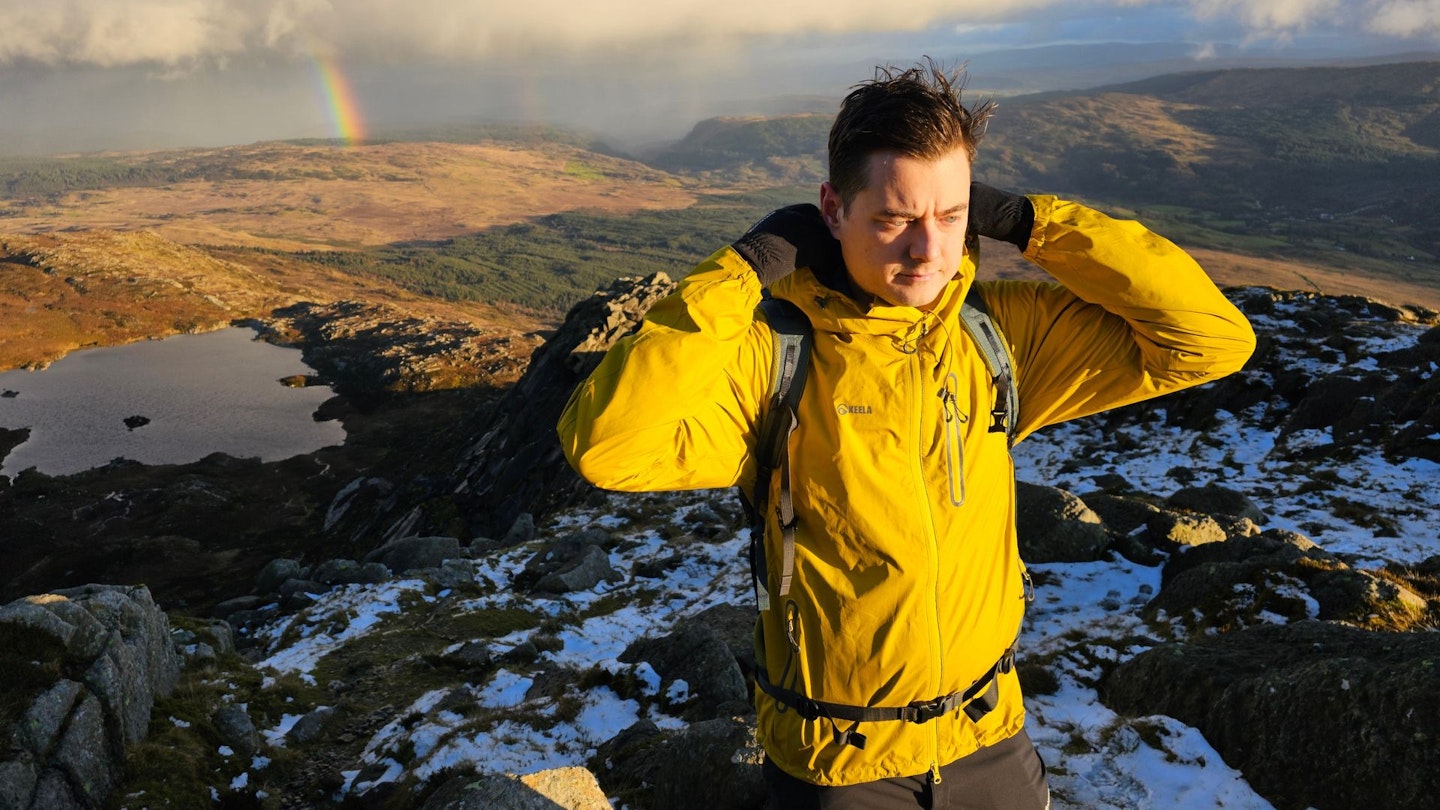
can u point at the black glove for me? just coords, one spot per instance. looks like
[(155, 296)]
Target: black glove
[(788, 238), (1001, 215)]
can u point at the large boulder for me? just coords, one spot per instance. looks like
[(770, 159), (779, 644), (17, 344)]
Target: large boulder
[(1313, 714), (714, 764), (576, 562), (1055, 526), (516, 465), (82, 669), (1213, 499), (699, 674)]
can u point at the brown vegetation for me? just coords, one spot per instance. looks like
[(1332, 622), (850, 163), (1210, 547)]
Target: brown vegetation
[(300, 197)]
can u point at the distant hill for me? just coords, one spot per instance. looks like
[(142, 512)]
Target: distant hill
[(1333, 166), (784, 149)]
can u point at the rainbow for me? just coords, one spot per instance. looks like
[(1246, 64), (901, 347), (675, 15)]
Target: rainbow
[(340, 100)]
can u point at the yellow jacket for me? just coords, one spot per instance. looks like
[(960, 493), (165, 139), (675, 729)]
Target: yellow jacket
[(907, 581)]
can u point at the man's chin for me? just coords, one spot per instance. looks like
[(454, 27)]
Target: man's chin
[(920, 294)]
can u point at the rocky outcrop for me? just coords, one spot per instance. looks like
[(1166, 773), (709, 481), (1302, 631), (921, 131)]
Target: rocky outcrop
[(516, 465), (556, 789), (1314, 714), (85, 666), (365, 349), (1279, 576)]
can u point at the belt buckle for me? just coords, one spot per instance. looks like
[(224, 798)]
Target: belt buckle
[(929, 710)]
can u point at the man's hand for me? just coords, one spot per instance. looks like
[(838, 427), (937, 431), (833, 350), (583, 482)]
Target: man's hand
[(786, 239), (1001, 215)]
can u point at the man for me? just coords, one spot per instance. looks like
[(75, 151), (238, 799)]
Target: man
[(885, 677)]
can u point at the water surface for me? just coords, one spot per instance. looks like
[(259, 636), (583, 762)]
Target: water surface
[(215, 392)]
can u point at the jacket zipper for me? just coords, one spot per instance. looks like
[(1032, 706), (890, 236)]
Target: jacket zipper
[(954, 441), (917, 386)]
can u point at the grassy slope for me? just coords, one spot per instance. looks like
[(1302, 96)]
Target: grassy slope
[(1312, 178)]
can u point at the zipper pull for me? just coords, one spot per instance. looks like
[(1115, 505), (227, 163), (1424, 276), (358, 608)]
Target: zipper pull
[(951, 402), (935, 773), (1028, 593)]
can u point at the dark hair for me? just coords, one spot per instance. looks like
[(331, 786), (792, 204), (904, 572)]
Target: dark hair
[(915, 112)]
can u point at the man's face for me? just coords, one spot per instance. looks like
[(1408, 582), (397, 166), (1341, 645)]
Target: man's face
[(903, 236)]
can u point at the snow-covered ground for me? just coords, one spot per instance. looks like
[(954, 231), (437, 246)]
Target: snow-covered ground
[(1096, 759)]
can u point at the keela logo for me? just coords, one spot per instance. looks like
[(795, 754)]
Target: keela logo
[(852, 410)]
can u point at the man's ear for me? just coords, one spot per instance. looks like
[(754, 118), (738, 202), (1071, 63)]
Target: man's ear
[(831, 208)]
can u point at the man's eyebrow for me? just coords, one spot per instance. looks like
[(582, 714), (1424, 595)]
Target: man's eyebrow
[(896, 213)]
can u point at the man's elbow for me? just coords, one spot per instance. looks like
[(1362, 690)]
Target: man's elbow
[(1225, 351), (1237, 348)]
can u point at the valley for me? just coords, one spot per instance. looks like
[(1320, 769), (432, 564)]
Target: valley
[(423, 277)]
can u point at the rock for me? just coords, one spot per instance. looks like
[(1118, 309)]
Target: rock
[(695, 654), (1184, 529), (73, 732), (415, 553), (581, 573), (373, 573), (572, 788), (40, 725), (92, 769), (734, 625), (236, 729), (1055, 526), (1363, 596), (1313, 714), (133, 422), (715, 764), (521, 531), (516, 465), (224, 610), (276, 572), (1118, 513), (1213, 499), (573, 563), (311, 725), (454, 574), (472, 655), (1278, 576), (338, 572), (17, 784), (307, 587)]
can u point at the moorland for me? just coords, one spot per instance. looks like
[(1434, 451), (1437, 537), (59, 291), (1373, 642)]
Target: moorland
[(1313, 179)]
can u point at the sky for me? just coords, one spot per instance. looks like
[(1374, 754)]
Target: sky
[(115, 73)]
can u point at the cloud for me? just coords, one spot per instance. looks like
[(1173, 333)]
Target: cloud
[(178, 34), (1398, 18)]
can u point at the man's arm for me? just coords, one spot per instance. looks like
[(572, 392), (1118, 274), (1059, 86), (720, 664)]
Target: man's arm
[(1132, 317), (673, 406)]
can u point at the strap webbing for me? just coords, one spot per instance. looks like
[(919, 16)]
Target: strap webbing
[(978, 700), (792, 362), (976, 317)]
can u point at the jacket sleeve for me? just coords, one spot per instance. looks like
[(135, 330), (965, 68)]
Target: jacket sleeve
[(1131, 317), (672, 406)]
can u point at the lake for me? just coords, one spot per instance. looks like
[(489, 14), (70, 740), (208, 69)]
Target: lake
[(213, 392)]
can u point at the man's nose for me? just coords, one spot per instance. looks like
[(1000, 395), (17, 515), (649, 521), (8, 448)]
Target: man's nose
[(925, 241)]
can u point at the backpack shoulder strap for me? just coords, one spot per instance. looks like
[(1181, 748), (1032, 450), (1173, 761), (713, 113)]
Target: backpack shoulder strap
[(976, 317), (793, 337)]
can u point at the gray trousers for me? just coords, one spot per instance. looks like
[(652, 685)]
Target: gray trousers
[(1008, 775)]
